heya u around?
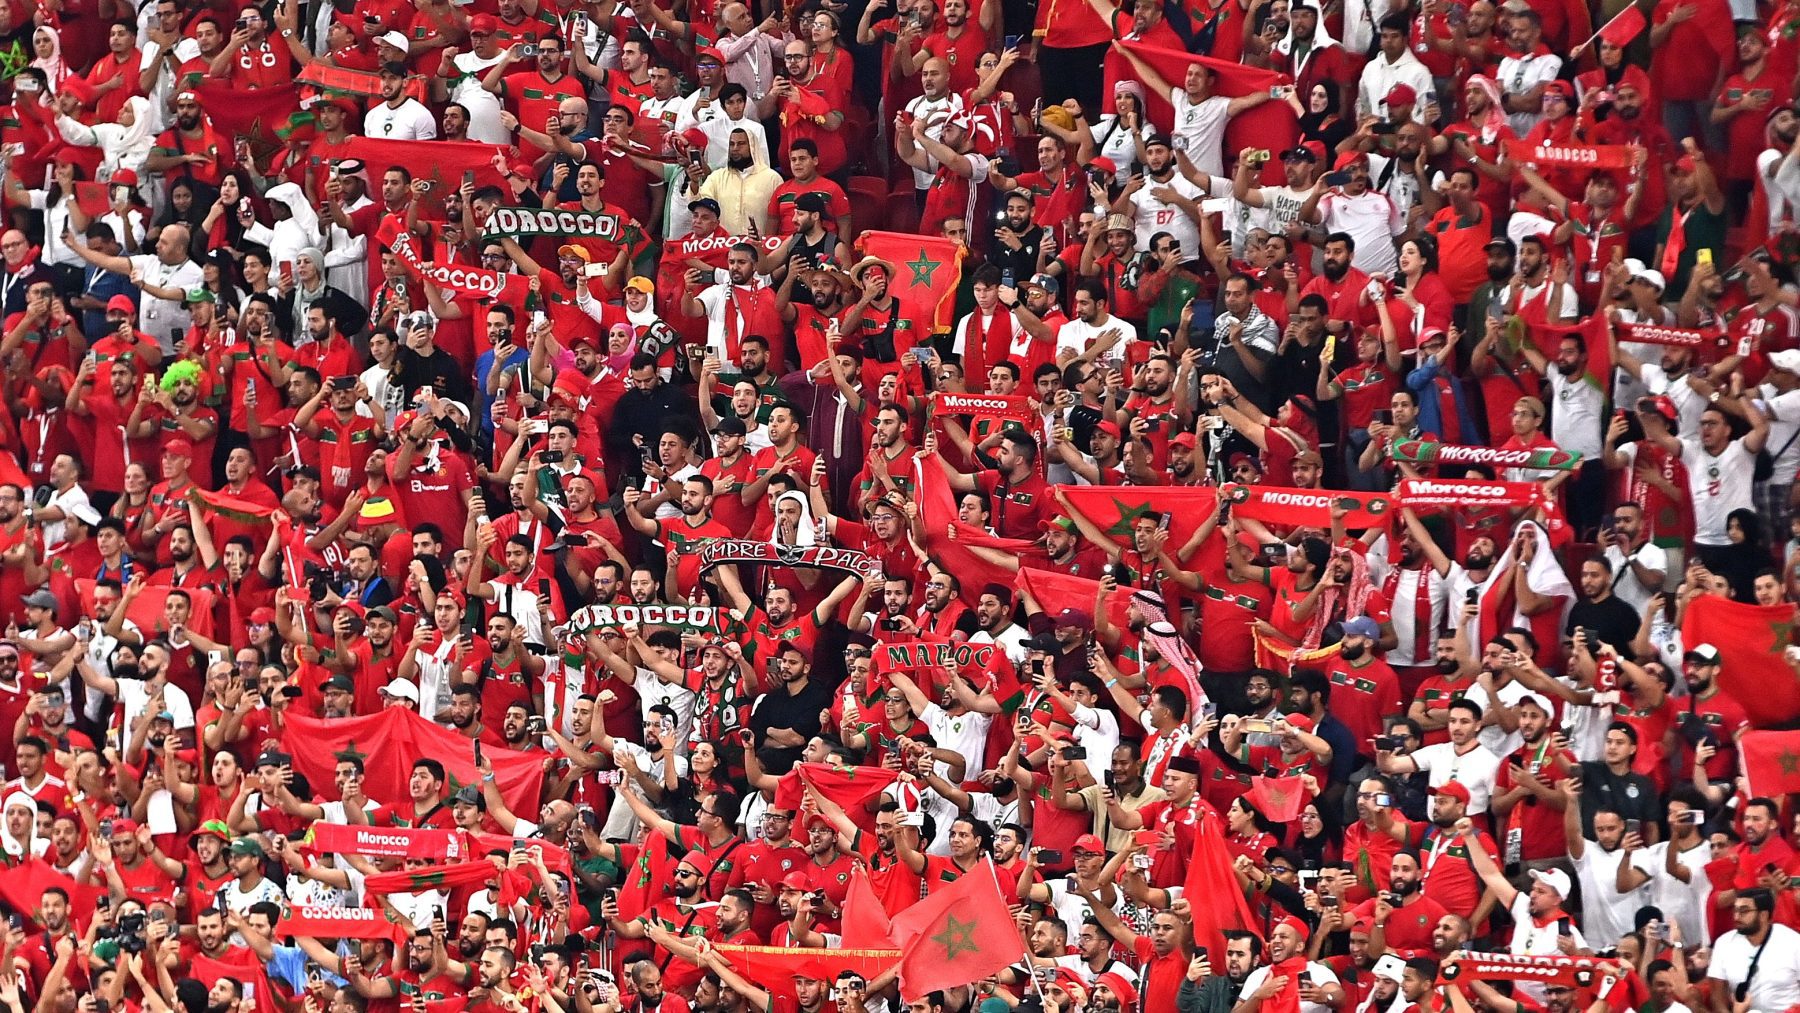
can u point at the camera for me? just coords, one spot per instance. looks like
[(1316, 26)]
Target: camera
[(1074, 753), (1389, 743), (551, 457), (890, 625)]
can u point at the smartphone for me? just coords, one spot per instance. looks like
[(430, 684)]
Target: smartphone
[(30, 84), (1633, 826), (343, 383), (593, 270), (543, 587), (1703, 255), (1383, 799), (477, 752), (1328, 900), (1562, 927), (1011, 42), (551, 457), (1337, 178), (1473, 595), (1384, 416), (468, 177), (287, 270), (1051, 856), (1147, 838)]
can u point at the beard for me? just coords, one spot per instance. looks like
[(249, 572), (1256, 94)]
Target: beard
[(127, 670), (1478, 561), (737, 162), (1569, 368), (1336, 272), (1353, 651), (1446, 666), (1498, 273)]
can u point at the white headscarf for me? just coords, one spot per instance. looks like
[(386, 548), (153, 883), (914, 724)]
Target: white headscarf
[(13, 846), (121, 146), (1321, 36), (53, 66), (806, 535)]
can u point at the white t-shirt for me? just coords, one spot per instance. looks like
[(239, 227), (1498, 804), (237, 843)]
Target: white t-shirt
[(1474, 770), (1200, 129), (1373, 220), (1630, 590), (1157, 215), (410, 122), (1776, 985), (1494, 738), (157, 316), (1529, 939), (1321, 975), (1783, 411), (67, 500), (964, 733), (1078, 335), (1577, 413), (1684, 904), (1717, 486), (1520, 74), (939, 115), (1606, 914), (483, 105)]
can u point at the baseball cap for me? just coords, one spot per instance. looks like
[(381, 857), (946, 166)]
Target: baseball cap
[(273, 759), (1348, 159), (1044, 281), (1306, 151), (731, 426), (1787, 359), (178, 446), (581, 252), (1402, 95), (1072, 617), (1555, 879), (707, 203), (40, 599), (261, 615), (1362, 626), (641, 284), (1453, 790), (1188, 440), (468, 794), (1661, 404), (812, 202), (1089, 842), (483, 24), (340, 682), (124, 827), (395, 39), (401, 689), (1159, 138), (1705, 654), (122, 303), (796, 881), (241, 846), (394, 68)]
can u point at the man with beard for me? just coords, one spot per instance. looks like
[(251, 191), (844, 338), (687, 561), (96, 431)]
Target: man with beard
[(684, 912), (1764, 860), (1417, 592), (1451, 878), (734, 308), (682, 535), (494, 991), (1401, 917), (1608, 912), (429, 973), (1274, 208), (518, 591), (1365, 690), (426, 804), (347, 436), (171, 410), (1528, 796), (1580, 399), (1316, 984), (1163, 200), (1540, 924), (1709, 714), (1757, 964), (1204, 991), (471, 934), (743, 187), (1356, 209), (1341, 284)]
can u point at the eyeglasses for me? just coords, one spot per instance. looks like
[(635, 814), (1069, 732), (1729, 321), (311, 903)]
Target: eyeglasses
[(1279, 870)]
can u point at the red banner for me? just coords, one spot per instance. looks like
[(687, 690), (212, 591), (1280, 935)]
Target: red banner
[(464, 278), (1550, 969), (325, 921), (1771, 762), (1273, 504), (1115, 508), (1434, 493), (1752, 640), (385, 842), (1573, 156), (926, 656), (1270, 125), (716, 246), (1004, 407)]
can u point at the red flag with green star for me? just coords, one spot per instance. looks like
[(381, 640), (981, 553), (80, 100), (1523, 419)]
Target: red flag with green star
[(961, 933), (1115, 508), (389, 741), (925, 272), (23, 886), (1751, 640), (1771, 762)]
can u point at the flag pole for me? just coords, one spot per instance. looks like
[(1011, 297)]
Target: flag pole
[(1030, 968), (1575, 54)]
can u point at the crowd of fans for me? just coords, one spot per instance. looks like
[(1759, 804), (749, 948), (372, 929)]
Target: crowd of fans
[(662, 503)]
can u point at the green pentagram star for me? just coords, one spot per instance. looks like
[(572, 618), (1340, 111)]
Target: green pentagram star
[(1790, 762), (922, 269), (12, 60), (350, 752), (1783, 633), (1128, 515), (958, 937)]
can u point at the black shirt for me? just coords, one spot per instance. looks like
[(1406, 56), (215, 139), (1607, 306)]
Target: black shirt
[(1616, 622), (1632, 796), (797, 711)]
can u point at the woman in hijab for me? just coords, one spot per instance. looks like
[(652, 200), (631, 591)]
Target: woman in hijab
[(46, 48), (1320, 118), (123, 145)]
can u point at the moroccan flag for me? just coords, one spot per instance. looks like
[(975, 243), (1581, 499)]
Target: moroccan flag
[(850, 787), (1278, 798), (1271, 125), (264, 115), (947, 538), (556, 857), (926, 270), (444, 167), (23, 886), (236, 508), (1771, 762), (648, 877), (240, 965), (1114, 508), (390, 740), (1056, 591), (1624, 27), (436, 877), (959, 934), (93, 199), (146, 610), (1209, 875), (865, 921), (774, 967), (1751, 640)]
